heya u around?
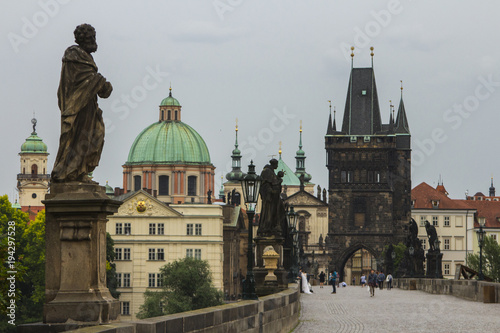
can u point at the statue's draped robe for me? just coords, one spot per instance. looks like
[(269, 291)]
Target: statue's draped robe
[(82, 125), (272, 212)]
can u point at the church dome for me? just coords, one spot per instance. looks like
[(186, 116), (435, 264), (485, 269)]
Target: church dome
[(34, 144), (170, 101), (168, 142)]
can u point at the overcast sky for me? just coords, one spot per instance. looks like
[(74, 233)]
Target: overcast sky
[(270, 64)]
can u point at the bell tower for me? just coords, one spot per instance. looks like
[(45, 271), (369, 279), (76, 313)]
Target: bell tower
[(33, 179)]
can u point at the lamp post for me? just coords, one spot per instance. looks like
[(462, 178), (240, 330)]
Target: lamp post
[(251, 186), (291, 218), (480, 239), (411, 251)]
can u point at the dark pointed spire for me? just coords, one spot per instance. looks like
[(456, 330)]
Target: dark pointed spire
[(329, 128), (492, 188), (401, 120), (362, 111), (334, 118), (391, 117)]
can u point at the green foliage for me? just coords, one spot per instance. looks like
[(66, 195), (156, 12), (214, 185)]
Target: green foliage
[(491, 259), (399, 249), (187, 285), (24, 242), (111, 281)]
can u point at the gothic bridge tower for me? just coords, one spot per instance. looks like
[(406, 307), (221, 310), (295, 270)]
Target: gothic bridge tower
[(369, 174)]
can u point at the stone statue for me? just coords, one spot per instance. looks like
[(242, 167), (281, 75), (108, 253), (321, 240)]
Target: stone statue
[(302, 181), (324, 195), (82, 125), (273, 209), (228, 198), (432, 235), (319, 192), (209, 196)]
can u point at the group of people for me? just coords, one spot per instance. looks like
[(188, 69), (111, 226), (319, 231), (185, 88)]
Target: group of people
[(377, 279)]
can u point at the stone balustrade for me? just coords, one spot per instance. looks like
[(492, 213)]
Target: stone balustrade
[(273, 313), (473, 290)]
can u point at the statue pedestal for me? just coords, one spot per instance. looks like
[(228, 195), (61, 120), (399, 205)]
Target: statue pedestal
[(434, 265), (75, 273), (268, 287)]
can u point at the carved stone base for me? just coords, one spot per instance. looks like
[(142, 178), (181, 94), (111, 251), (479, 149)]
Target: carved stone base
[(75, 273), (434, 265)]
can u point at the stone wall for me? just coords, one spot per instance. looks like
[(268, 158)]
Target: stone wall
[(472, 290), (274, 313)]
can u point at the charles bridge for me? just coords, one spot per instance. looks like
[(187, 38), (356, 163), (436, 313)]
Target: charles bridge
[(414, 305)]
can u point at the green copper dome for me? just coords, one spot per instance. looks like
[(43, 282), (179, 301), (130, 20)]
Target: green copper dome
[(168, 142), (169, 101), (34, 144)]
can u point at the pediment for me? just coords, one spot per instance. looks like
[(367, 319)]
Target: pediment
[(303, 198), (144, 204)]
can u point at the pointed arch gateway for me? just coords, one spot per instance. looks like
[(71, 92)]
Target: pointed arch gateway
[(356, 260)]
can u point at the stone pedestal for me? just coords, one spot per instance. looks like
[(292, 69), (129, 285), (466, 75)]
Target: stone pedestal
[(261, 243), (434, 265), (75, 273)]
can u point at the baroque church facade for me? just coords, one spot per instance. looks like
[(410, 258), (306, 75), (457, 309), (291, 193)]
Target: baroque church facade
[(369, 174)]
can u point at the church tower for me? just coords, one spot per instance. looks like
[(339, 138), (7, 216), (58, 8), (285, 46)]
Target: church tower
[(369, 173), (33, 180)]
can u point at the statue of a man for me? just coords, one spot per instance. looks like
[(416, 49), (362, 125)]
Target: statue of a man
[(82, 125), (432, 235), (273, 209)]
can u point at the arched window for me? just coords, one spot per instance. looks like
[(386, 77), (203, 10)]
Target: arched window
[(162, 115), (34, 169), (24, 171), (169, 115), (176, 115), (191, 184), (137, 183), (163, 182)]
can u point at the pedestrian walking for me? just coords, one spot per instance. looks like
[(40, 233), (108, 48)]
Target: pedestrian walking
[(321, 279), (333, 281), (389, 281), (353, 280), (372, 282), (363, 280), (380, 280)]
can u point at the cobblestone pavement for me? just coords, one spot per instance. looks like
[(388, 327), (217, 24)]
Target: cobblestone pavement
[(352, 310)]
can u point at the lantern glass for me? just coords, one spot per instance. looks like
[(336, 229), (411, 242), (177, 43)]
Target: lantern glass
[(251, 185)]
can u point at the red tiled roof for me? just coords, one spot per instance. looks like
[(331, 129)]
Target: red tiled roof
[(488, 209), (423, 194)]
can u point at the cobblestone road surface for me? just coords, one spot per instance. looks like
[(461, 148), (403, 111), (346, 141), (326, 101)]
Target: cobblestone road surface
[(352, 310)]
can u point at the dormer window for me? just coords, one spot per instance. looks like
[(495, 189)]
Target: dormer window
[(435, 203)]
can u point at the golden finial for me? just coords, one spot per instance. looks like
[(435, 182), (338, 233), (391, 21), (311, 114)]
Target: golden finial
[(301, 126), (401, 84), (371, 49), (236, 124), (352, 51), (280, 149)]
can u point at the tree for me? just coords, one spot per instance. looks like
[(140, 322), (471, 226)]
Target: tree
[(13, 224), (111, 281), (491, 259), (187, 285)]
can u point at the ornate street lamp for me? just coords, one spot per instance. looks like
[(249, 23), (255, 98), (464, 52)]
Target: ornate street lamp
[(292, 218), (480, 239), (251, 186)]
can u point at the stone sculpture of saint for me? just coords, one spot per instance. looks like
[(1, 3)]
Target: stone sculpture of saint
[(432, 235), (273, 209), (82, 125)]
